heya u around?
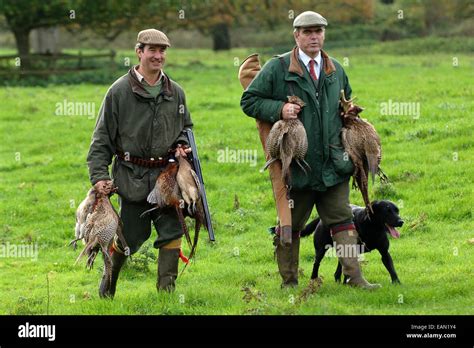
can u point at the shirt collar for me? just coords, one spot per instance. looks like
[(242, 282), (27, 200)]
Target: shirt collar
[(142, 79), (305, 58)]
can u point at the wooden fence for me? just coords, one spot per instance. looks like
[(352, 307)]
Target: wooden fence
[(49, 64)]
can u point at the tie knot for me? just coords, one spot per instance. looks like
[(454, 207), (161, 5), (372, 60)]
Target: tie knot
[(312, 63)]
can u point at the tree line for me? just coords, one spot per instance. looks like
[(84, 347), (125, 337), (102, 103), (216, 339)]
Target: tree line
[(215, 18)]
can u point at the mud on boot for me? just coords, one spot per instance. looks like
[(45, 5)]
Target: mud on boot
[(288, 260)]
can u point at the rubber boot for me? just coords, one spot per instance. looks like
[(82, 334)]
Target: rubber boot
[(167, 269), (350, 263), (295, 255), (286, 264), (107, 290)]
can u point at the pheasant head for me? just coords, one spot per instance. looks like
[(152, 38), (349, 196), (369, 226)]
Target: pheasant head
[(296, 100), (349, 109)]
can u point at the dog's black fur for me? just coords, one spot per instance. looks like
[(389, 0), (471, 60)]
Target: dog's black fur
[(372, 229)]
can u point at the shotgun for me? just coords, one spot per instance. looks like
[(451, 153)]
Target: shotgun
[(196, 164)]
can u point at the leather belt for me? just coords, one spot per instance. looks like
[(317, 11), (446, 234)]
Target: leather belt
[(143, 162)]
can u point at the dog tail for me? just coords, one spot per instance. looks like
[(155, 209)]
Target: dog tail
[(309, 228)]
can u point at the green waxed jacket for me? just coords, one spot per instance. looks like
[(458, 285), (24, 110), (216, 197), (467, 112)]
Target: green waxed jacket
[(264, 99), (133, 122)]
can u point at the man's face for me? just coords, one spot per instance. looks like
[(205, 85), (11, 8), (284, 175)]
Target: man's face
[(310, 40), (152, 58)]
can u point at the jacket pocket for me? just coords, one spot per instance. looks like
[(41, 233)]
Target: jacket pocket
[(331, 78), (130, 180), (341, 161)]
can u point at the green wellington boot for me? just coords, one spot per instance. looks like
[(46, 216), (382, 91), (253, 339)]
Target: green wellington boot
[(350, 263), (167, 269)]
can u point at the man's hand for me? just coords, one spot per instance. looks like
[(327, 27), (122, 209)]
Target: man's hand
[(182, 150), (103, 187), (290, 111)]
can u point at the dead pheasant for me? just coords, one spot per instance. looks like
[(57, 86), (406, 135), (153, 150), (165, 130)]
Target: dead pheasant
[(166, 190), (84, 209), (362, 143), (178, 186), (287, 141), (101, 226), (188, 183), (167, 193), (190, 188)]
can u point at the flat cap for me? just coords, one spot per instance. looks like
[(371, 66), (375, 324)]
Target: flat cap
[(153, 37), (309, 19)]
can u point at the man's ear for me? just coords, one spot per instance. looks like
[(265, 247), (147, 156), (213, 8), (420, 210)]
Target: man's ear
[(296, 34), (138, 52)]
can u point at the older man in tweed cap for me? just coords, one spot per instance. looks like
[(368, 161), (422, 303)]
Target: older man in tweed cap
[(309, 73)]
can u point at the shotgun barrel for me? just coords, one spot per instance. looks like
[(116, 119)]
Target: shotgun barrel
[(194, 157)]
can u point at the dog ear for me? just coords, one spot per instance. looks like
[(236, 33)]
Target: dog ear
[(383, 205)]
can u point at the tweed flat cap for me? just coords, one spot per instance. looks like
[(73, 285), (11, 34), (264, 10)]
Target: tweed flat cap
[(309, 19), (153, 37)]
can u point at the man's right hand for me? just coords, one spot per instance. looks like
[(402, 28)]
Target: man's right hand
[(290, 111), (103, 186)]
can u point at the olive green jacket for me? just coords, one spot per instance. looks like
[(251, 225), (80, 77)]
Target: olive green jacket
[(133, 122), (264, 99)]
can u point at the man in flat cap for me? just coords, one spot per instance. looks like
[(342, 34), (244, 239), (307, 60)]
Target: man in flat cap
[(141, 119), (317, 79)]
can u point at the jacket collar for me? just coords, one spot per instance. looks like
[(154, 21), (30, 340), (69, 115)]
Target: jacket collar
[(306, 59), (295, 66), (138, 88), (141, 78)]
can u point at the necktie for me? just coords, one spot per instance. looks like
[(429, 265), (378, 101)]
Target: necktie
[(312, 72)]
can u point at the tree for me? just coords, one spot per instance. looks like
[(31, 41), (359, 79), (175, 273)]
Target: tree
[(211, 18), (22, 16), (106, 18), (217, 17)]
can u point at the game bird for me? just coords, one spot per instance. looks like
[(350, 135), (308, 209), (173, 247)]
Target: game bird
[(362, 144), (190, 188), (101, 226), (188, 183), (84, 209), (286, 142), (167, 193), (178, 186), (199, 220)]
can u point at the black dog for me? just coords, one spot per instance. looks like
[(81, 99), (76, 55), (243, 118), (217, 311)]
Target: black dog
[(372, 230)]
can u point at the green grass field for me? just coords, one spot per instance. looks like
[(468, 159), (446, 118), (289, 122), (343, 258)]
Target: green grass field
[(428, 158)]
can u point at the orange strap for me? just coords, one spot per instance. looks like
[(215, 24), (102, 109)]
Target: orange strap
[(182, 257)]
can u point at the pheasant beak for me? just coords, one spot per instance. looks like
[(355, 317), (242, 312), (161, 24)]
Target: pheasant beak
[(354, 110)]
